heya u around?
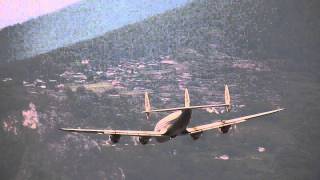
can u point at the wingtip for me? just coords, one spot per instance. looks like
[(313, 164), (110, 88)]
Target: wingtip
[(279, 109)]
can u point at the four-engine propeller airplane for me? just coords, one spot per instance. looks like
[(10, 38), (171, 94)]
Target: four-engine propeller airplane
[(176, 123)]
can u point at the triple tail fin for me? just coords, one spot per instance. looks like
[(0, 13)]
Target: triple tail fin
[(147, 105), (226, 104), (227, 98)]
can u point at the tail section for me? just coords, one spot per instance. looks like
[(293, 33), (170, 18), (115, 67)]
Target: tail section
[(186, 98), (147, 105), (226, 104), (227, 98)]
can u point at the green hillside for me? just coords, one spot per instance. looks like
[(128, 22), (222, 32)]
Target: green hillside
[(268, 28)]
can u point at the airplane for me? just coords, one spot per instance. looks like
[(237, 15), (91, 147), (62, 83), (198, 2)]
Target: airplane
[(176, 123)]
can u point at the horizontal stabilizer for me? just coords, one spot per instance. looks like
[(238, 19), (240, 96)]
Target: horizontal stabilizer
[(190, 107)]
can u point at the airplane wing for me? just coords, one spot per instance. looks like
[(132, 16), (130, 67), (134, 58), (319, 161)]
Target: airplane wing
[(222, 123), (115, 132)]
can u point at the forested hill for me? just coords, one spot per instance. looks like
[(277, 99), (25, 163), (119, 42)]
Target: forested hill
[(239, 27), (80, 21)]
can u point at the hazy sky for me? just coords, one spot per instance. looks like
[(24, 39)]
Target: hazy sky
[(17, 11)]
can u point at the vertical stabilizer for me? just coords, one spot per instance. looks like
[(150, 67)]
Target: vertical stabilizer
[(227, 98), (186, 98), (147, 105)]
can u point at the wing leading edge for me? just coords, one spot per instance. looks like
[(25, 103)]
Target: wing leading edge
[(115, 132), (222, 123)]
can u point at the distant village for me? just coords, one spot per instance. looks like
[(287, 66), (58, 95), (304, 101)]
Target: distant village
[(98, 77), (129, 77)]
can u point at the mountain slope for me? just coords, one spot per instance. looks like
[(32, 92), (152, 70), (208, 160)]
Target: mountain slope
[(83, 20), (243, 28)]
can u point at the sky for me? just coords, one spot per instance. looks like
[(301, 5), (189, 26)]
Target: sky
[(18, 11)]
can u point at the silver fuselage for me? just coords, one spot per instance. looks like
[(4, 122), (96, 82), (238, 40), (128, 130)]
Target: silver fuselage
[(173, 124)]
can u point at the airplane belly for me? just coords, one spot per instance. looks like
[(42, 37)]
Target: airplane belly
[(176, 129), (173, 124), (180, 125)]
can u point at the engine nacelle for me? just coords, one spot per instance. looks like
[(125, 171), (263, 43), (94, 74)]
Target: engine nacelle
[(225, 129), (144, 139), (196, 136), (114, 138)]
